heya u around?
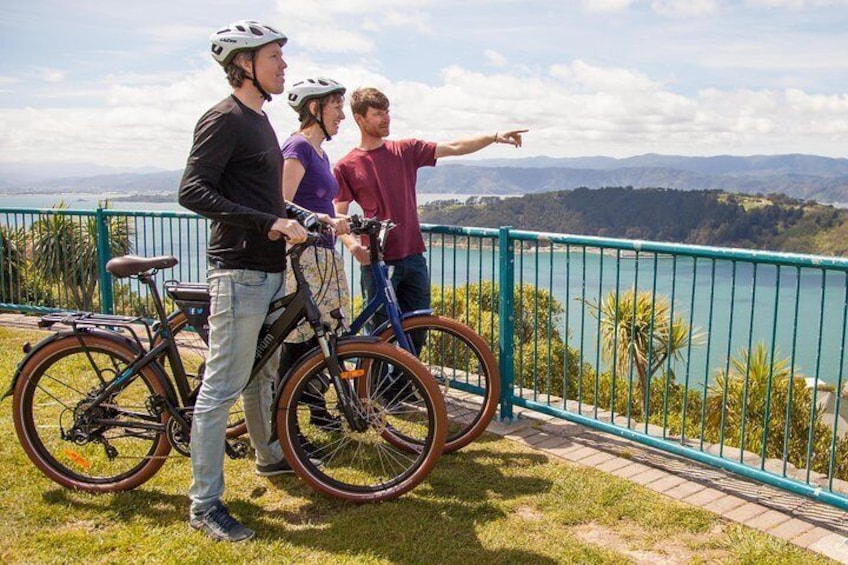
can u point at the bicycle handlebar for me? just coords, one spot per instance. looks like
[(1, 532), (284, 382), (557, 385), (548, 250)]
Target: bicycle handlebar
[(315, 231), (366, 226)]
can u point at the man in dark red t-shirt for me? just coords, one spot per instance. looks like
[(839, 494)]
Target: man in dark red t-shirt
[(380, 176)]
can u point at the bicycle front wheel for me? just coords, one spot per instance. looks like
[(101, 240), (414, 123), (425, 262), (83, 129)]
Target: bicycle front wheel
[(114, 446), (465, 369), (351, 459)]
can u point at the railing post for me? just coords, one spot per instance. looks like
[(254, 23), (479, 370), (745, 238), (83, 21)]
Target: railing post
[(506, 317), (103, 256)]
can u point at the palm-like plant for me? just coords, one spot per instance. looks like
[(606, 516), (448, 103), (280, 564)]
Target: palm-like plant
[(541, 360), (12, 265), (64, 250), (739, 399), (637, 330)]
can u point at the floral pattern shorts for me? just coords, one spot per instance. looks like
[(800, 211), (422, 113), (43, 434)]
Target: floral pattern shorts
[(325, 274)]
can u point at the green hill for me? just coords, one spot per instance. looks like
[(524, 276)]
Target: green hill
[(704, 217)]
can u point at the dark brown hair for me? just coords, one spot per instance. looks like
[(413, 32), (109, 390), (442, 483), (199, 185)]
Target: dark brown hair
[(368, 97), (236, 75)]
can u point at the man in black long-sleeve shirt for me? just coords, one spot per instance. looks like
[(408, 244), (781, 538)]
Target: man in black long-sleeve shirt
[(233, 176)]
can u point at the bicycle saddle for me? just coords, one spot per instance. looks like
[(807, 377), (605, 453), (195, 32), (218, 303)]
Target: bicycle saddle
[(130, 265)]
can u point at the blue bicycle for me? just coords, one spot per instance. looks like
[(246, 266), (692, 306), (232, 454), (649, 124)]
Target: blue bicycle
[(461, 361)]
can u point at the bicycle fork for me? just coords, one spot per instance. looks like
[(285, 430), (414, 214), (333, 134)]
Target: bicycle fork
[(349, 402)]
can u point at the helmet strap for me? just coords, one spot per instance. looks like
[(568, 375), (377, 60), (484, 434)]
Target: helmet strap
[(258, 86), (327, 136), (319, 121)]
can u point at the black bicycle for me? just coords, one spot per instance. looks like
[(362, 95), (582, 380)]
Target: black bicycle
[(96, 409)]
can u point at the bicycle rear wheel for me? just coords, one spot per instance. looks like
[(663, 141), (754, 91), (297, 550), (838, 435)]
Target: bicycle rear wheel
[(116, 446), (465, 369), (362, 466), (193, 352)]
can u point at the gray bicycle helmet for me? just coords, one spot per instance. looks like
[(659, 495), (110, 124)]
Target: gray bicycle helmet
[(311, 88), (244, 35)]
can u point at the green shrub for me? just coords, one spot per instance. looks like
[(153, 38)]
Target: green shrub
[(542, 362)]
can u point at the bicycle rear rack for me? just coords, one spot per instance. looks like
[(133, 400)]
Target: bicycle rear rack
[(78, 320)]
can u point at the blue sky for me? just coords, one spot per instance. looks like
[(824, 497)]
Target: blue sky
[(122, 84)]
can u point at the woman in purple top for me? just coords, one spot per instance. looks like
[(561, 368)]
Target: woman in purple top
[(309, 183)]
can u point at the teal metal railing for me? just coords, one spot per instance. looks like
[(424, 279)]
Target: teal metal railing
[(729, 357)]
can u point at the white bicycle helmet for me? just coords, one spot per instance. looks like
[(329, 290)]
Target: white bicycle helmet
[(244, 35), (305, 90)]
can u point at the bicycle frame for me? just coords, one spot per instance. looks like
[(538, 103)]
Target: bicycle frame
[(384, 294)]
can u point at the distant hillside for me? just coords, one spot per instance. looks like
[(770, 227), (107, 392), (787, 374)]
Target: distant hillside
[(699, 217), (715, 165), (165, 181), (807, 177), (448, 178), (25, 174)]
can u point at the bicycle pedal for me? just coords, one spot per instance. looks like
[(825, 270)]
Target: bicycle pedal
[(237, 448)]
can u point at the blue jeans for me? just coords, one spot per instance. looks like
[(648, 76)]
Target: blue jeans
[(410, 279), (239, 307)]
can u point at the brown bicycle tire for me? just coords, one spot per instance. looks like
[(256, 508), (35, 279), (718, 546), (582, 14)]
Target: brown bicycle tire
[(461, 434), (36, 368), (315, 475)]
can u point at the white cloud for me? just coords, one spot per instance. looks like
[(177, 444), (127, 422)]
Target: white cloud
[(342, 26), (641, 116), (685, 8), (134, 126), (51, 75), (415, 19), (593, 78), (171, 33), (495, 59), (575, 109), (798, 4), (606, 5), (340, 41)]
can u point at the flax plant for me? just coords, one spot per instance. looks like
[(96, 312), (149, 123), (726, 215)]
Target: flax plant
[(64, 251), (638, 332)]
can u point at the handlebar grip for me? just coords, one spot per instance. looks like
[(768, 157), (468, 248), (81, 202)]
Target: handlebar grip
[(311, 223)]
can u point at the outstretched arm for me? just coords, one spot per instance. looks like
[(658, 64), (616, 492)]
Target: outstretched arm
[(466, 146)]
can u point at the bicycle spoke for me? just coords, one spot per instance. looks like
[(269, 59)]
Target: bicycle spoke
[(77, 441), (368, 464)]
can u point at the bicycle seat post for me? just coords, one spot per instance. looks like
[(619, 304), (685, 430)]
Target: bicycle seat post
[(149, 279)]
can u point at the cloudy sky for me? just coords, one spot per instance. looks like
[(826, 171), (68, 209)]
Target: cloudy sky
[(121, 84)]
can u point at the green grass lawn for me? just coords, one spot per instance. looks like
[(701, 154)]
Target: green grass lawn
[(493, 502)]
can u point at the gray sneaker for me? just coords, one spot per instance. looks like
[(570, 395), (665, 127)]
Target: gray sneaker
[(274, 469), (218, 523), (282, 466)]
